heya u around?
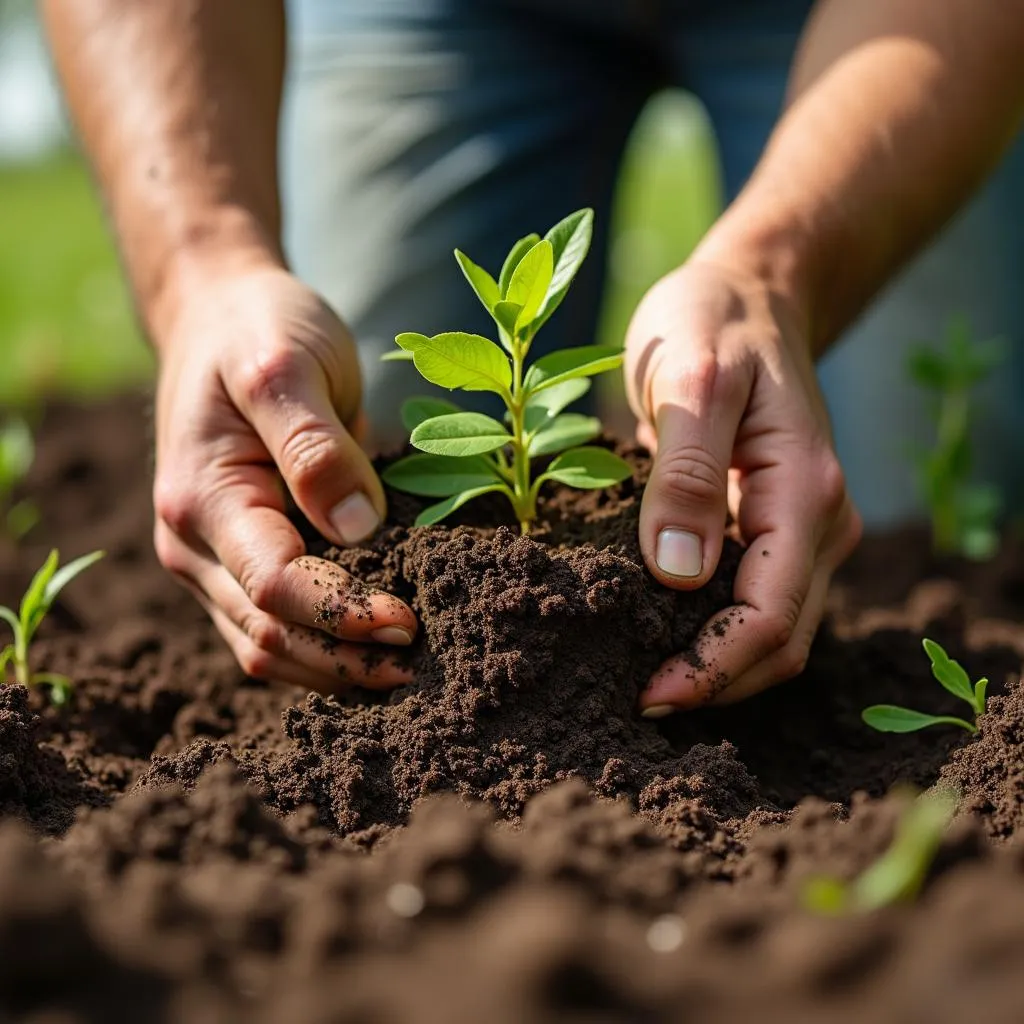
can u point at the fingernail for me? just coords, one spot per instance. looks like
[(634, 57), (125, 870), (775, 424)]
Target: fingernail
[(658, 711), (355, 518), (679, 553), (392, 635)]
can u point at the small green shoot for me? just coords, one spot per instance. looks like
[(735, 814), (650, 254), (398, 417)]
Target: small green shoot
[(950, 673), (47, 583), (17, 452), (963, 514), (463, 455), (897, 876)]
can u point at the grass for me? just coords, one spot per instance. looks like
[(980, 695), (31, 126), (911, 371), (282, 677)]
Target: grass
[(66, 324)]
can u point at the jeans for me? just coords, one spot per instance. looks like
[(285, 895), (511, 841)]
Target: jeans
[(413, 126)]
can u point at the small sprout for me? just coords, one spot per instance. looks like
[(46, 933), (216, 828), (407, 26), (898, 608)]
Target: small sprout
[(17, 453), (897, 876), (963, 514), (47, 583), (950, 673), (464, 455)]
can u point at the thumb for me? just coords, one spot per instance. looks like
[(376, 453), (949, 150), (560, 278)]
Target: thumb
[(683, 512), (328, 474)]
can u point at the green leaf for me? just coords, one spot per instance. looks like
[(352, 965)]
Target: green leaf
[(516, 253), (32, 603), (416, 410), (890, 718), (823, 895), (439, 476), (948, 672), (6, 655), (410, 340), (480, 281), (460, 434), (529, 284), (570, 241), (435, 513), (467, 361), (505, 316), (570, 363), (397, 355), (928, 368), (11, 619), (901, 871), (980, 688), (21, 517), (551, 401), (588, 468), (66, 574), (60, 686), (563, 432)]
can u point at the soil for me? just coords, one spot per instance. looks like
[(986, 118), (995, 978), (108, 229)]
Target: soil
[(504, 839)]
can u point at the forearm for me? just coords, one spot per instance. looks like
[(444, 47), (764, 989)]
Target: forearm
[(898, 109), (177, 104)]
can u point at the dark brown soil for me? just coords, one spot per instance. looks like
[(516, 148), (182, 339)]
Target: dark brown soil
[(504, 840)]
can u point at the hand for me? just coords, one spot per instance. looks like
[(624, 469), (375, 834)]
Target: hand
[(721, 378), (259, 382)]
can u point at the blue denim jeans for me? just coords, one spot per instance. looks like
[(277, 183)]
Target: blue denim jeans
[(413, 126)]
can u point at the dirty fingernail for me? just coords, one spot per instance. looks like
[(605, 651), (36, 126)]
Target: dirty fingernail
[(658, 711), (392, 635), (679, 553), (355, 518)]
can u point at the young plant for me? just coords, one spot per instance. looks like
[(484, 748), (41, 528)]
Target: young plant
[(47, 583), (890, 718), (466, 454), (897, 876), (17, 452), (963, 513)]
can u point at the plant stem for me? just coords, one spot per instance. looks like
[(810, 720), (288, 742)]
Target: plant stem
[(524, 506)]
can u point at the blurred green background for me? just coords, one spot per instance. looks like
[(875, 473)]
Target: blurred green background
[(66, 323)]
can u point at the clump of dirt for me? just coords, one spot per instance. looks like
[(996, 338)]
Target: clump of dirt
[(36, 784)]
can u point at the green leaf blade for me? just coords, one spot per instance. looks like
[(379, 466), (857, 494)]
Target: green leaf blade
[(439, 476), (565, 431), (17, 452), (949, 673), (467, 361), (551, 401), (485, 287), (588, 468), (891, 718), (460, 434), (570, 241), (66, 574), (435, 513), (568, 364), (515, 254), (422, 407), (31, 610), (530, 282)]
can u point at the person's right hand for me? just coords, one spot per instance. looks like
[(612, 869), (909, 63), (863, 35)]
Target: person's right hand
[(259, 387)]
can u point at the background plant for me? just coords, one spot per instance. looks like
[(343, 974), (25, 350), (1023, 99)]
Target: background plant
[(950, 673), (963, 513), (464, 455), (47, 583), (897, 876), (17, 453)]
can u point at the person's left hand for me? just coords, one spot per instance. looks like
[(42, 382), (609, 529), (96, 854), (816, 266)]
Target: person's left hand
[(720, 375)]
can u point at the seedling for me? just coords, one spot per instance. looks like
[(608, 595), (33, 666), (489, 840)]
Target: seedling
[(47, 583), (963, 514), (464, 455), (17, 452), (950, 673), (897, 876)]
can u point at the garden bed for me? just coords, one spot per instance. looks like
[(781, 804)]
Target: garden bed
[(182, 844)]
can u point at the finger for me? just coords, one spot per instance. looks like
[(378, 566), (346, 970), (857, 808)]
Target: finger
[(244, 525), (301, 658), (697, 410), (287, 399)]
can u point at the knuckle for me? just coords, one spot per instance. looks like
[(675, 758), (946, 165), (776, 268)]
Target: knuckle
[(266, 632), (692, 474), (254, 661), (307, 456), (793, 659), (268, 374), (262, 588), (831, 484), (780, 624), (174, 505)]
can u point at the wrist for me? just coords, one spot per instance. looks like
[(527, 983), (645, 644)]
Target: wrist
[(203, 252)]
